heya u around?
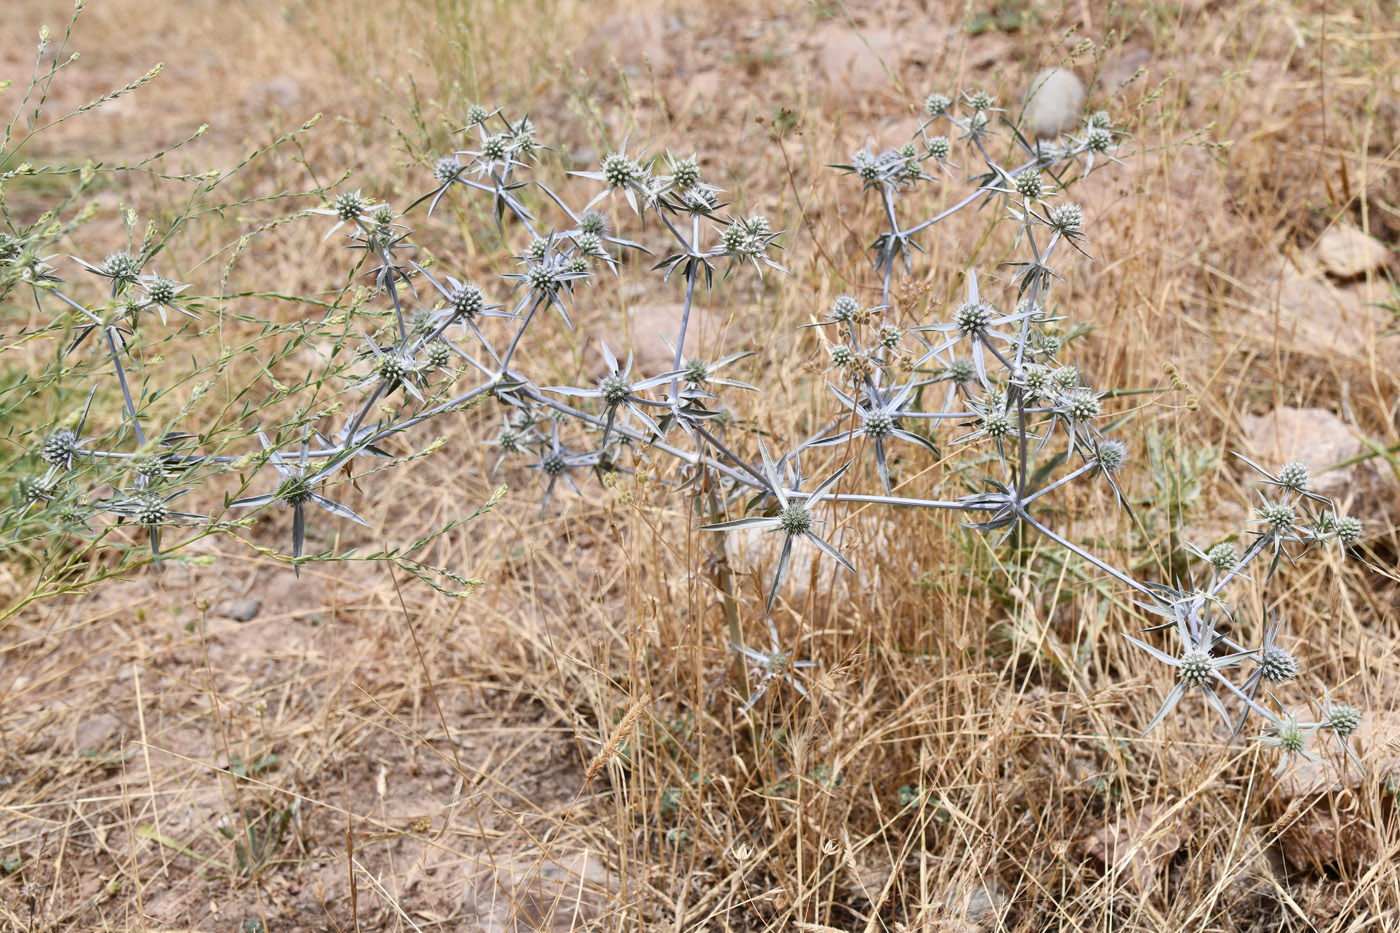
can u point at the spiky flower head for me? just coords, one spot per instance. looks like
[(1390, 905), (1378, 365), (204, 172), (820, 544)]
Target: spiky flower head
[(1067, 218), (758, 225), (1099, 118), (1110, 455), (1084, 405), (615, 389), (695, 372), (71, 513), (508, 440), (997, 424), (589, 244), (349, 205), (161, 290), (1196, 667), (466, 300), (840, 353), (979, 100), (593, 222), (1348, 529), (619, 171), (736, 240), (537, 250), (1066, 377), (686, 173), (150, 466), (1343, 720), (130, 306), (60, 447), (961, 371), (1051, 344), (936, 105), (1036, 379), (477, 114), (866, 166), (701, 200), (973, 317), (577, 264), (1289, 736), (152, 510), (939, 147), (395, 366), (1279, 516), (795, 519), (37, 488), (524, 138), (889, 336), (1098, 139), (553, 464), (1277, 665), (439, 354), (123, 267), (1029, 184), (878, 424), (294, 490), (446, 169), (1293, 476), (843, 307), (542, 277), (1223, 556)]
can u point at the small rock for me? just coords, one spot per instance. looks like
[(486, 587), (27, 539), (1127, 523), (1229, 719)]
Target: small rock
[(1136, 846), (650, 327), (95, 732), (1326, 316), (856, 62), (555, 893), (282, 92), (240, 610), (1055, 100), (1321, 827), (633, 40), (1120, 70), (988, 49), (1348, 253), (1319, 439), (1315, 841)]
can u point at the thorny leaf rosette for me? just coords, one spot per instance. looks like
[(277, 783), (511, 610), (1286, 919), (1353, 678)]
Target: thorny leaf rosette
[(617, 390), (794, 519), (876, 417), (773, 664), (149, 509), (1198, 667), (298, 487)]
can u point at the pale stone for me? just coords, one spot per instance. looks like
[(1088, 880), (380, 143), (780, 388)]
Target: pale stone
[(1316, 314), (1314, 436), (1054, 102), (1348, 253), (555, 892), (1135, 847), (633, 40), (856, 62)]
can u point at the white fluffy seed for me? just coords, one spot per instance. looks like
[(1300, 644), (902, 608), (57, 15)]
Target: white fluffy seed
[(1054, 102)]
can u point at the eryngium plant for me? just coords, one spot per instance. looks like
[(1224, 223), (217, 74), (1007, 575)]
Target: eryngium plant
[(994, 371)]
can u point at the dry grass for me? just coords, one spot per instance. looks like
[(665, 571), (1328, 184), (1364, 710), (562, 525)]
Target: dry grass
[(565, 749)]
